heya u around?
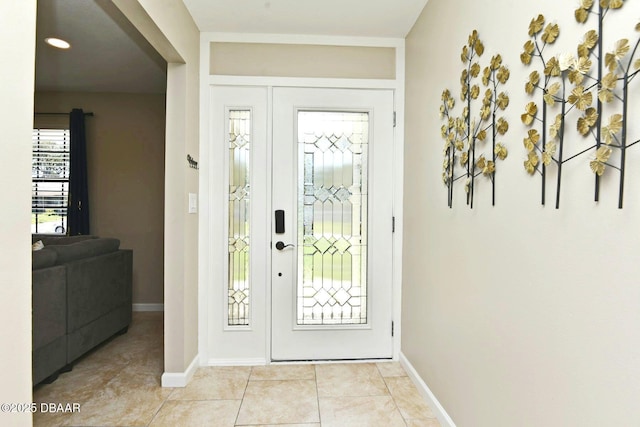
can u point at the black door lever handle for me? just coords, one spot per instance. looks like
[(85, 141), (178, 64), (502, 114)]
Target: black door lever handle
[(280, 245)]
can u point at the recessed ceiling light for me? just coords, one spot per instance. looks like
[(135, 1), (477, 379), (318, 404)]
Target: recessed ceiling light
[(59, 43)]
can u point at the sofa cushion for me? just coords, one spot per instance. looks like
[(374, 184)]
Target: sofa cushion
[(84, 249), (60, 240), (43, 258)]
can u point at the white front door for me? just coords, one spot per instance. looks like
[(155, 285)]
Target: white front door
[(332, 179), (322, 266)]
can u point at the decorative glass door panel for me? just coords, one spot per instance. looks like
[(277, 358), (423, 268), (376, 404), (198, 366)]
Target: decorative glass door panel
[(239, 214), (332, 229)]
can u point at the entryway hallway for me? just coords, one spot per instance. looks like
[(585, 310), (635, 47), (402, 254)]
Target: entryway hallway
[(118, 384)]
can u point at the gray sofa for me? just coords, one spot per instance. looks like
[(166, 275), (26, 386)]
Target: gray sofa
[(81, 297)]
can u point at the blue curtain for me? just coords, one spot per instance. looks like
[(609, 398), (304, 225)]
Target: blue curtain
[(78, 207)]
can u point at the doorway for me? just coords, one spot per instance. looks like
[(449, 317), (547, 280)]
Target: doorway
[(305, 229)]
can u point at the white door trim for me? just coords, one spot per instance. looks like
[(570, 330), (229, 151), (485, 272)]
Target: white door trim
[(205, 269)]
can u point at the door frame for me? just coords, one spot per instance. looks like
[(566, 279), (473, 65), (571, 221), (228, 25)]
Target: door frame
[(209, 199)]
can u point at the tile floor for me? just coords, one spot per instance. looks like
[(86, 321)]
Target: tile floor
[(118, 384)]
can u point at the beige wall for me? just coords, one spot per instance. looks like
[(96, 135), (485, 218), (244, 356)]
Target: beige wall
[(171, 31), (518, 314), (291, 60), (18, 24), (125, 156)]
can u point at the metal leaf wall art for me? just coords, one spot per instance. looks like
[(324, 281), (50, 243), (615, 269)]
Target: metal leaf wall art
[(589, 89), (471, 147)]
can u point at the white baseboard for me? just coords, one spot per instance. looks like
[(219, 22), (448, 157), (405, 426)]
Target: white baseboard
[(438, 410), (180, 379), (148, 307), (237, 362)]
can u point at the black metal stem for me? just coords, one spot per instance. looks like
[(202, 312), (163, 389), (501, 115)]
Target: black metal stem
[(493, 139), (544, 143), (576, 155), (470, 162), (564, 105), (623, 142), (599, 104)]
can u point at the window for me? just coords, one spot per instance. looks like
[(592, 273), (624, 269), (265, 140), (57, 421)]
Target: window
[(49, 180)]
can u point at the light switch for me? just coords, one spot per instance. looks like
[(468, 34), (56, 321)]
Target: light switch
[(193, 203)]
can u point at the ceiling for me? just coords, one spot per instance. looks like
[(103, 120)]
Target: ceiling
[(362, 18), (109, 55)]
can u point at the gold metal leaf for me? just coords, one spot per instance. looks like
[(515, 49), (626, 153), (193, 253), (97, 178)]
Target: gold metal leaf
[(603, 153), (464, 158), (473, 37), (530, 86), (580, 98), (464, 56), (590, 40), (552, 68), (464, 76), (529, 48), (475, 91), (488, 95), (531, 140), (481, 162), (612, 128), (546, 158), (636, 64), (496, 62), (549, 99), (479, 47), (489, 168), (550, 33), (581, 15), (536, 25), (616, 4), (501, 151), (555, 127), (502, 126), (464, 91), (503, 74), (549, 152), (503, 101), (485, 112), (583, 65), (475, 70), (586, 122), (459, 145), (597, 167), (576, 77), (486, 74), (621, 49), (549, 96), (530, 113), (531, 163), (554, 89), (482, 135)]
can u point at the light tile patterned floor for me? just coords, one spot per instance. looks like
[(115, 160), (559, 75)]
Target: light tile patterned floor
[(118, 384)]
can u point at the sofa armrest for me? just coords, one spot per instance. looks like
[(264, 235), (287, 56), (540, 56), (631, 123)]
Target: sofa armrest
[(49, 305), (97, 286)]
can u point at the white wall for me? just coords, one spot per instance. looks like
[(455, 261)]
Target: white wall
[(18, 24), (518, 314), (168, 26)]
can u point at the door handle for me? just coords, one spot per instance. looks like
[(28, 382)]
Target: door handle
[(280, 245)]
